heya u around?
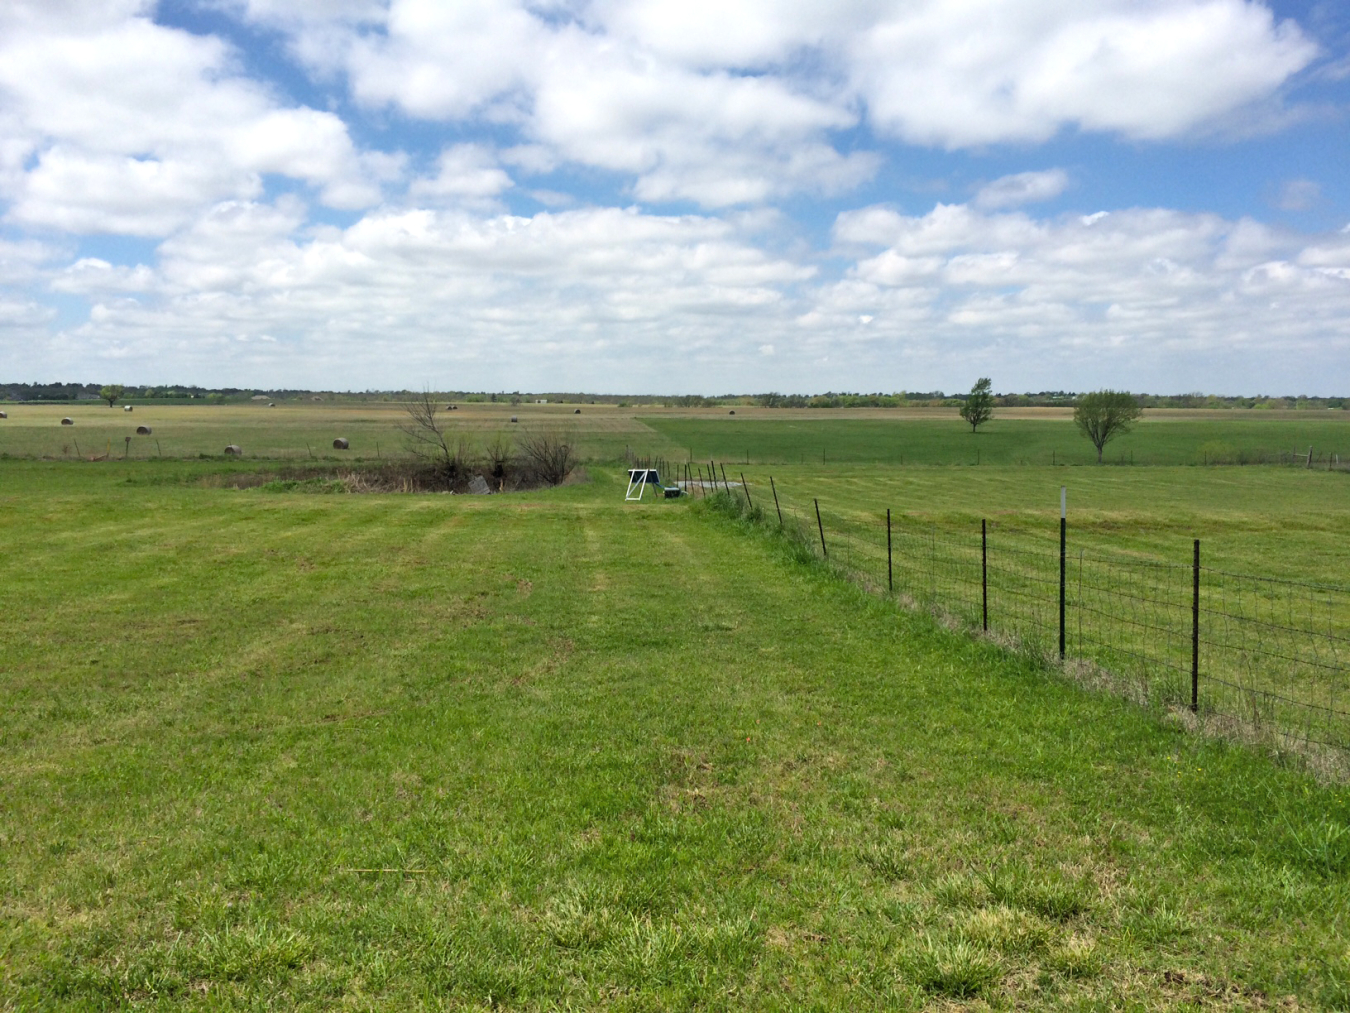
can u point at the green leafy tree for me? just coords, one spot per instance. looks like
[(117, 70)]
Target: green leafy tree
[(979, 405), (1105, 414), (111, 393)]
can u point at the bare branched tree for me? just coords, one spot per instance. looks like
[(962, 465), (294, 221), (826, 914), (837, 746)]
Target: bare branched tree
[(428, 440), (499, 455), (548, 455)]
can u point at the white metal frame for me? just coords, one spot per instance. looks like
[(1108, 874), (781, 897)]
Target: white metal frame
[(637, 479)]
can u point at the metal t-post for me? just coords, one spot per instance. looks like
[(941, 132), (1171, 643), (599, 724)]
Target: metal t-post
[(1195, 630), (1063, 535), (984, 573)]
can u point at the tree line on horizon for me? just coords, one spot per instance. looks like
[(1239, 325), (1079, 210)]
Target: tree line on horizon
[(63, 391)]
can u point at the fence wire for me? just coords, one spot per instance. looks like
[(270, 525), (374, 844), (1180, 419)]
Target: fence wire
[(1271, 656)]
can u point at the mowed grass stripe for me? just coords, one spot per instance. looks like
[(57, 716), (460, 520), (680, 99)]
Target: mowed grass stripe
[(639, 758)]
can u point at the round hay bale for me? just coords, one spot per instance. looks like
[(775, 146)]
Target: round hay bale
[(732, 412), (67, 422), (233, 450), (577, 412), (142, 430), (514, 419), (4, 415), (126, 408), (271, 404), (339, 444)]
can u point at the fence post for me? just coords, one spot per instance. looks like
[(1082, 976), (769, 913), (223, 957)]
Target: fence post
[(932, 566), (823, 551), (726, 486), (746, 486), (1195, 630), (1063, 531), (775, 501), (890, 573), (984, 573)]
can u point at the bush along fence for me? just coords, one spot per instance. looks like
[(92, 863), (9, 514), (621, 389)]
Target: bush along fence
[(1252, 657)]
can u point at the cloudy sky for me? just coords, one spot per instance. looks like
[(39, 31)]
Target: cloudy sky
[(692, 196)]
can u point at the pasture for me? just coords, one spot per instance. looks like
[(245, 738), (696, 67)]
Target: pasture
[(1028, 436), (1278, 521), (288, 432), (551, 750)]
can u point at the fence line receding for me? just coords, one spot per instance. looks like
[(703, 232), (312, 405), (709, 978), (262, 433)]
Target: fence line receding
[(1269, 656)]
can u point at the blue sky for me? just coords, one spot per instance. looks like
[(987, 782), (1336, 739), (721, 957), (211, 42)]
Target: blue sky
[(656, 197)]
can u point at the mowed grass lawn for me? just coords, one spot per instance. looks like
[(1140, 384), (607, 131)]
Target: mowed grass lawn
[(604, 756)]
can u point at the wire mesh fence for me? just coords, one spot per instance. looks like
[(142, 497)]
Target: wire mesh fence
[(1268, 657)]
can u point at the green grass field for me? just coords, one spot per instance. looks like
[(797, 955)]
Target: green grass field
[(297, 431), (1279, 521), (291, 432), (599, 756), (1023, 437), (222, 704), (1272, 654)]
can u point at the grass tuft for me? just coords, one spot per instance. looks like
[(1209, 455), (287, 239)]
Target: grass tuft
[(888, 861), (1336, 989), (1006, 930), (1323, 846), (579, 921), (955, 968), (1050, 895), (1077, 958)]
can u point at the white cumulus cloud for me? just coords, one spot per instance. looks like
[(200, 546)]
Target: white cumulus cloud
[(465, 173), (956, 73), (1022, 188), (634, 86), (113, 123)]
